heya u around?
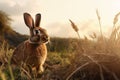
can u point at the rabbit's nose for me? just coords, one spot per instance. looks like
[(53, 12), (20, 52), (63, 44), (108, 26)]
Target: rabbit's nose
[(46, 38)]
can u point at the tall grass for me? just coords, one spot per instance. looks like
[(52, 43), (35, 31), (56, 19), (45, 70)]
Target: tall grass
[(115, 34), (74, 59), (99, 19), (92, 55), (5, 55)]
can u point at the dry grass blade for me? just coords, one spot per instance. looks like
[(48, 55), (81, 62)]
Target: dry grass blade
[(99, 19), (26, 73), (100, 67), (101, 73), (114, 75)]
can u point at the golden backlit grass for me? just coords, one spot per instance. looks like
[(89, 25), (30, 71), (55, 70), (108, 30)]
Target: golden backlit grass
[(73, 59), (103, 55)]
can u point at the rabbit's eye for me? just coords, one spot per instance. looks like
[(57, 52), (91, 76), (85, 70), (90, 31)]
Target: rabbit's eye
[(36, 32)]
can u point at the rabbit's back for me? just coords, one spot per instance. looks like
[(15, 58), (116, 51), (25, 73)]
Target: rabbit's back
[(31, 54)]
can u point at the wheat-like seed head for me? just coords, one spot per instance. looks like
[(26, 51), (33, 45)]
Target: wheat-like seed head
[(98, 14), (116, 18), (74, 26)]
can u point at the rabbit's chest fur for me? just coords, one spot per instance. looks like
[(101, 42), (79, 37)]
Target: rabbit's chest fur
[(31, 54)]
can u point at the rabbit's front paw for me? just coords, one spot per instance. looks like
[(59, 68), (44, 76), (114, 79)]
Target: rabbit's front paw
[(40, 72)]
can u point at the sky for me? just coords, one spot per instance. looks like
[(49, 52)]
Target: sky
[(56, 15)]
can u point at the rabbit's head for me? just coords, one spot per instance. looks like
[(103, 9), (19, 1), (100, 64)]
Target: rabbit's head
[(37, 33)]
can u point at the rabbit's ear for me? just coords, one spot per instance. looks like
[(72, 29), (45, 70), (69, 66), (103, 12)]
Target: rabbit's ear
[(28, 20), (37, 20)]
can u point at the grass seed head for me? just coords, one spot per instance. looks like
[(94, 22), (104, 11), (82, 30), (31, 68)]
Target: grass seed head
[(74, 26), (98, 14), (116, 18)]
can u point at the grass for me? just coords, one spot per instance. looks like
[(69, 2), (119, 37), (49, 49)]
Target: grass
[(72, 59), (5, 54), (108, 49), (81, 58)]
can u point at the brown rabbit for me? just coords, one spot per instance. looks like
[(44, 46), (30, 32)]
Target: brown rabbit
[(32, 52)]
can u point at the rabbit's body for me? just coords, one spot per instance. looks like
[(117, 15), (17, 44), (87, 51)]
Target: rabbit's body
[(32, 52)]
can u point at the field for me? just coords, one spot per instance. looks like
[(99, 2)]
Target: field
[(94, 58)]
